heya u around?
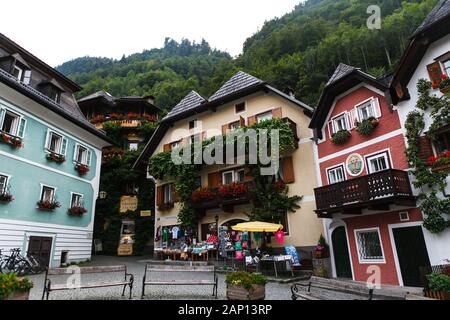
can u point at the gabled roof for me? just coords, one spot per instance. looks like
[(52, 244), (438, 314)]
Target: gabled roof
[(190, 102), (440, 11), (344, 78), (99, 94), (236, 83)]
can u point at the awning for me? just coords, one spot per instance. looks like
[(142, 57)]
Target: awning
[(257, 226)]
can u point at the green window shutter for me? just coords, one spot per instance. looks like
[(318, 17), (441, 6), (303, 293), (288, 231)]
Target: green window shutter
[(64, 146), (22, 125)]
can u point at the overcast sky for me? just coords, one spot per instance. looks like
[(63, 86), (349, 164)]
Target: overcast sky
[(57, 31)]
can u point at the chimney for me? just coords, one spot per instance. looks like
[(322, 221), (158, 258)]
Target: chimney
[(150, 99), (290, 92)]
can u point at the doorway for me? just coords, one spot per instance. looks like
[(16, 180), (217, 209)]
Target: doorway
[(412, 254), (341, 253), (41, 248)]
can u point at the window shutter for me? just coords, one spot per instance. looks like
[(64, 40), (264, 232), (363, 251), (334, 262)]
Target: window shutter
[(89, 157), (350, 119), (277, 113), (75, 149), (251, 120), (27, 77), (241, 122), (2, 113), (288, 170), (377, 108), (64, 146), (214, 179), (47, 140), (225, 128), (159, 195), (22, 124), (435, 72), (330, 128), (167, 147), (425, 148)]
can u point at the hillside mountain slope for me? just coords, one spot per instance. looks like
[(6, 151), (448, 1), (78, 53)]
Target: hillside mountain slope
[(299, 51)]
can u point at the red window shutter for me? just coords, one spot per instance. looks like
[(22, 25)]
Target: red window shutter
[(175, 195), (241, 121), (435, 72), (159, 195), (225, 128), (288, 170), (277, 113), (251, 120), (425, 148), (214, 179), (167, 147)]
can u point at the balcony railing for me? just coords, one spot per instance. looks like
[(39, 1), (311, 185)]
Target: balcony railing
[(375, 191)]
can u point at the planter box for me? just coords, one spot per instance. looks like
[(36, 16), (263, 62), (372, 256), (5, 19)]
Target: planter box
[(439, 295), (19, 296), (445, 167), (256, 292)]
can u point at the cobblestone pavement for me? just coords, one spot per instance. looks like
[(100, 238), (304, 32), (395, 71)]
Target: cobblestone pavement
[(135, 265)]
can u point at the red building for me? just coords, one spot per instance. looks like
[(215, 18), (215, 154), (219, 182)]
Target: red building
[(365, 192)]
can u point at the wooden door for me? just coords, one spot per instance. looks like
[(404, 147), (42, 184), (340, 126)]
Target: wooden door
[(41, 248), (341, 253)]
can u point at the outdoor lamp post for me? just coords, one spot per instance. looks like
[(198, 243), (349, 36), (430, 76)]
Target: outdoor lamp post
[(102, 194)]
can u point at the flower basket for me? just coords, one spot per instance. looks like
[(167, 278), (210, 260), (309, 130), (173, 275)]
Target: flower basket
[(76, 211), (6, 197), (366, 127), (82, 169), (242, 285), (203, 194), (341, 137), (440, 163), (233, 190), (14, 142), (13, 287), (55, 157), (444, 86), (48, 205)]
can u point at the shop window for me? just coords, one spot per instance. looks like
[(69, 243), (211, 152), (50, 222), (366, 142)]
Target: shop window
[(336, 175), (369, 245), (442, 142), (47, 194), (240, 107), (378, 162), (3, 183)]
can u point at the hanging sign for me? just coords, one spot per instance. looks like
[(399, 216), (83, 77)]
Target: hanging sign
[(146, 213), (354, 164), (128, 203)]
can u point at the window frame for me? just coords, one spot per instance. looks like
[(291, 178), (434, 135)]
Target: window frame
[(75, 194), (385, 154), (194, 124), (338, 117), (446, 140), (169, 187), (7, 181), (264, 116), (15, 124), (444, 68), (43, 186), (333, 168), (230, 126), (363, 260), (21, 72), (232, 176), (19, 131), (244, 103), (358, 107), (64, 140)]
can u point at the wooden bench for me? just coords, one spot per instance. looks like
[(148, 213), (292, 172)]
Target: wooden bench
[(303, 290), (49, 286), (183, 268)]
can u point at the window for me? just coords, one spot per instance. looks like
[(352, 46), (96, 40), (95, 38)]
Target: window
[(56, 143), (336, 175), (235, 125), (369, 245), (446, 67), (82, 155), (54, 95), (168, 193), (193, 124), (76, 201), (227, 177), (133, 146), (3, 184), (378, 162), (240, 175), (284, 222), (340, 123), (442, 142), (17, 72), (47, 194), (12, 123), (240, 107), (366, 110), (264, 116)]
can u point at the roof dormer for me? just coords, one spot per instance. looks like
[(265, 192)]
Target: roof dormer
[(51, 89), (15, 65)]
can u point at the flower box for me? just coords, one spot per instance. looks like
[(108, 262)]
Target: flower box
[(19, 295), (255, 292), (6, 197), (439, 295), (233, 190), (340, 137), (366, 127), (76, 211), (82, 169), (440, 163), (55, 157), (48, 205), (444, 85), (203, 195), (14, 142)]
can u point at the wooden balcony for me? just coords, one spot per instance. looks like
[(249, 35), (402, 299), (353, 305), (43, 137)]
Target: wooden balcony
[(123, 123), (376, 191)]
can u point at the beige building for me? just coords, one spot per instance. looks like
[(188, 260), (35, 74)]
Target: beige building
[(242, 100)]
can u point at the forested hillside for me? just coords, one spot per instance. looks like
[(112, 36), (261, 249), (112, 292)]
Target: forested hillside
[(299, 50)]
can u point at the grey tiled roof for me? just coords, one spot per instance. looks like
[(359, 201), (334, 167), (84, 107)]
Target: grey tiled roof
[(98, 94), (238, 82), (191, 101), (440, 11), (341, 71)]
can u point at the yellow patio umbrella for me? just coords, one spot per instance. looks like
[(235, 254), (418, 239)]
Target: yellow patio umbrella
[(257, 226)]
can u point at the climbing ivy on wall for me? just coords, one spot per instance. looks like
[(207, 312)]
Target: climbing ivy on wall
[(270, 199), (431, 183)]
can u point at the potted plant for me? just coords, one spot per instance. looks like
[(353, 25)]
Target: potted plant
[(48, 205), (322, 250), (13, 287), (438, 286), (444, 86), (366, 127), (77, 211), (55, 157), (243, 285), (233, 190), (6, 197), (440, 163), (14, 142), (340, 137), (82, 169), (203, 194)]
